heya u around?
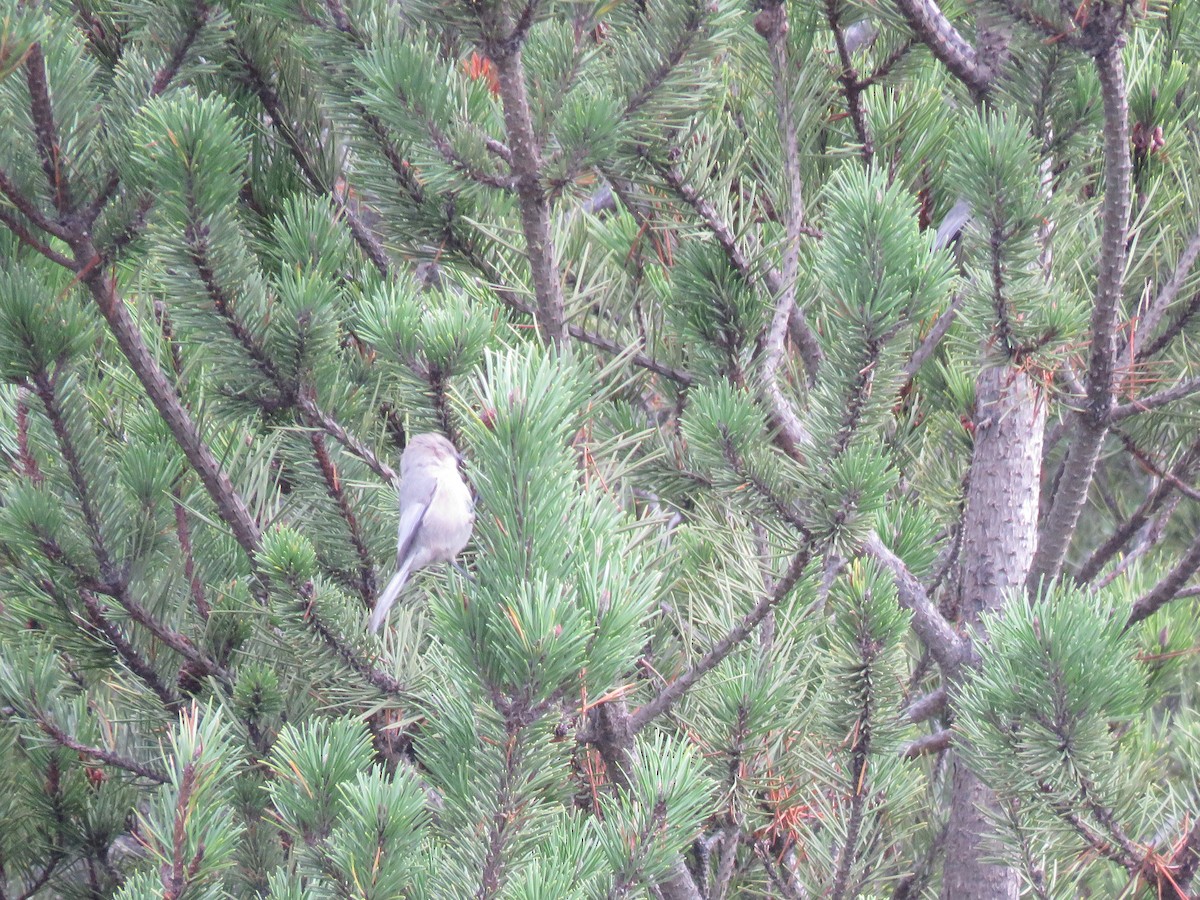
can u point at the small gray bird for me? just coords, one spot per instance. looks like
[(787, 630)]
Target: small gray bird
[(436, 514)]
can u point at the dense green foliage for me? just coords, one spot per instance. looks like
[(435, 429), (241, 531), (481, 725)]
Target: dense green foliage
[(248, 247)]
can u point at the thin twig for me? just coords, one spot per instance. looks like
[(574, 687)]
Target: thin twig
[(680, 686), (791, 431), (933, 339), (1184, 388), (111, 757)]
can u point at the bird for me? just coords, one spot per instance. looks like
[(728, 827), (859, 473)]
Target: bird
[(436, 514)]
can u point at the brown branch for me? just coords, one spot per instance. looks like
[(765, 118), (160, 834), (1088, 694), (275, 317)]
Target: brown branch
[(933, 339), (933, 29), (1091, 424), (1148, 320), (1182, 389), (44, 388), (110, 757), (183, 535), (1153, 467), (681, 685), (809, 346), (792, 433), (173, 639), (314, 417), (852, 88), (689, 33), (337, 493), (174, 877), (26, 237), (928, 623), (29, 465), (1168, 588), (534, 203), (1173, 329), (137, 665), (1159, 495), (230, 506), (377, 678), (1184, 864), (27, 207), (514, 301), (42, 112), (928, 706)]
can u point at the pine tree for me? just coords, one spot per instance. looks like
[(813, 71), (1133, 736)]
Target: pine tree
[(825, 378)]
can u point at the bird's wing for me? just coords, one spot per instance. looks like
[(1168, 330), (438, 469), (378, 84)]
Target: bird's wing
[(412, 514)]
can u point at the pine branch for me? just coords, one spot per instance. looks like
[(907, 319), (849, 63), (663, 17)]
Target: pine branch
[(42, 879), (687, 36), (1184, 863), (514, 301), (162, 80), (527, 172), (27, 207), (810, 348), (177, 641), (337, 493), (860, 752), (29, 464), (44, 388), (672, 693), (13, 224), (792, 433), (1180, 390), (1153, 467), (928, 706), (1173, 329), (933, 339), (1091, 424), (610, 728), (929, 624), (1160, 493), (183, 535), (852, 87), (175, 877), (230, 506), (196, 238), (778, 505), (334, 642), (125, 650), (631, 871), (42, 112), (1148, 320), (315, 417), (933, 29), (110, 757), (784, 886), (1168, 587), (507, 806)]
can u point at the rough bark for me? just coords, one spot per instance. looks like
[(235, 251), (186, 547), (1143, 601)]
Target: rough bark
[(1091, 424), (535, 203), (1000, 535)]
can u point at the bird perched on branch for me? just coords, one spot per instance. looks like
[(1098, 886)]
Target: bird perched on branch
[(436, 514)]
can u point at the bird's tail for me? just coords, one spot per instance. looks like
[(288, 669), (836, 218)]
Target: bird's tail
[(388, 597)]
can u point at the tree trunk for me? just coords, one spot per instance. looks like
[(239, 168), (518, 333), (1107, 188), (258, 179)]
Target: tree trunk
[(1000, 536)]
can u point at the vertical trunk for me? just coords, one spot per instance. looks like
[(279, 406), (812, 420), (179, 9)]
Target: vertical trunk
[(1000, 535)]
